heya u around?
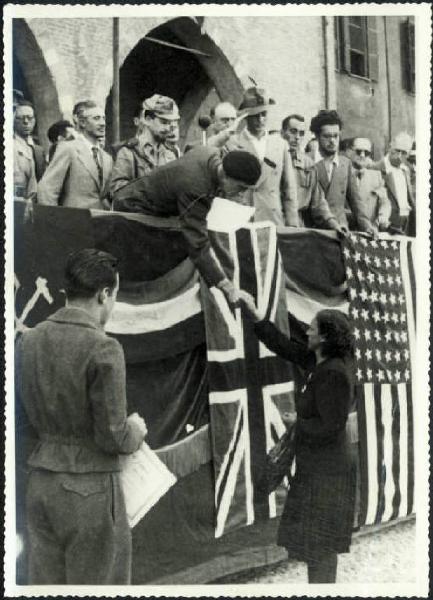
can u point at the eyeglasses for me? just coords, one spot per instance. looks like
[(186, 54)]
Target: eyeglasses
[(359, 152), (24, 118)]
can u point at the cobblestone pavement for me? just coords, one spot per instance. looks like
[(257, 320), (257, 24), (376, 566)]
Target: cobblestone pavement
[(386, 556)]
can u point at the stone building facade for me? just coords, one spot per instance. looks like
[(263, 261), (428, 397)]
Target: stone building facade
[(359, 65)]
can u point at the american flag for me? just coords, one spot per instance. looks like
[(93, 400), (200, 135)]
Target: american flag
[(249, 387), (381, 288)]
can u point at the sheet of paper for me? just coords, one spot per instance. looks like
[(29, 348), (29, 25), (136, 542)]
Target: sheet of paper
[(226, 215), (145, 479)]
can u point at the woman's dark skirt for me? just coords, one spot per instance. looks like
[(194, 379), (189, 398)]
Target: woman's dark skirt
[(318, 515)]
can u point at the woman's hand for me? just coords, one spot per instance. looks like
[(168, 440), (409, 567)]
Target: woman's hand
[(248, 304), (289, 418)]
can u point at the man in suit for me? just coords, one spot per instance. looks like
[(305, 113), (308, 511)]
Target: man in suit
[(396, 175), (71, 385), (79, 174), (371, 186), (29, 158), (336, 185), (293, 131), (156, 119), (185, 188), (274, 196)]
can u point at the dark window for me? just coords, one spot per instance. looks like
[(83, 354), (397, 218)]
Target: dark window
[(408, 54), (356, 49)]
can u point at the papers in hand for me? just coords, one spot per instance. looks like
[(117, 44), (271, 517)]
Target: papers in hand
[(226, 215), (145, 479)]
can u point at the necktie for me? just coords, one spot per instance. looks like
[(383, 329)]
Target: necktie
[(359, 174), (95, 151)]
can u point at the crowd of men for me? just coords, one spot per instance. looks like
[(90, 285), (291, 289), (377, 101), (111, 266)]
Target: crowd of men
[(324, 182)]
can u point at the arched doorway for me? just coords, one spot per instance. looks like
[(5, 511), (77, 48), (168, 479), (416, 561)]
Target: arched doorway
[(33, 78), (195, 81)]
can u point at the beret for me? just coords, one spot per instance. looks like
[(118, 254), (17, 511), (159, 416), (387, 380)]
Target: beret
[(242, 166)]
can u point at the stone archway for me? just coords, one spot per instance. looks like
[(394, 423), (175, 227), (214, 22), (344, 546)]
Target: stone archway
[(193, 80), (30, 71)]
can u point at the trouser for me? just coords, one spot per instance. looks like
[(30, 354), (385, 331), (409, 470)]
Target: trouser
[(78, 531), (323, 570)]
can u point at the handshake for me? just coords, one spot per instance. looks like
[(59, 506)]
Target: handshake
[(236, 297)]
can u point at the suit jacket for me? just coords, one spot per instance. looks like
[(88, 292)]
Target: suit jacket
[(329, 206), (306, 177), (40, 161), (372, 190), (274, 195), (25, 184), (71, 382), (396, 221), (71, 178)]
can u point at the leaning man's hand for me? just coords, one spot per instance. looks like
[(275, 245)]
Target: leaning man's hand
[(139, 421), (231, 292)]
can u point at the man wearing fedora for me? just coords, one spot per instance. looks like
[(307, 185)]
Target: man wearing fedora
[(274, 195), (156, 120)]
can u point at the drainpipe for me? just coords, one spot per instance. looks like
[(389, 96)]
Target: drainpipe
[(388, 81), (329, 60), (116, 83)]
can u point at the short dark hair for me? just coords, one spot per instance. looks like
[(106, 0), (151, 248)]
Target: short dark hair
[(24, 103), (80, 107), (346, 144), (325, 117), (88, 271), (286, 121), (138, 109), (335, 327), (58, 128)]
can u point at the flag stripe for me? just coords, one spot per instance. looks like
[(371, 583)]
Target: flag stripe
[(411, 271), (371, 443), (410, 452), (403, 446), (395, 438), (379, 463), (228, 460), (363, 456), (388, 463)]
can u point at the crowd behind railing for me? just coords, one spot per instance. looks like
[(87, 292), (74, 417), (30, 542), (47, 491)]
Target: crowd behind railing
[(323, 182)]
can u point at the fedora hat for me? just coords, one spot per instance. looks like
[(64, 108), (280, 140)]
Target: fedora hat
[(255, 101)]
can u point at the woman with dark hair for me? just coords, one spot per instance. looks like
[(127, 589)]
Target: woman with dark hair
[(318, 516)]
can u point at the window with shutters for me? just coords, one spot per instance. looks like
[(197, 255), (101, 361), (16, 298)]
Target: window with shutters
[(356, 50), (408, 54)]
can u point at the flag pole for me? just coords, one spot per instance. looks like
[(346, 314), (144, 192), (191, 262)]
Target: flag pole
[(116, 83)]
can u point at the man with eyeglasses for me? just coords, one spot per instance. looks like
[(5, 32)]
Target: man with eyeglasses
[(371, 186), (156, 119), (396, 175), (336, 186), (29, 158), (293, 131)]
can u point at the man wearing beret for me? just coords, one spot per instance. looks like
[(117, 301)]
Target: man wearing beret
[(336, 184), (274, 196), (186, 188), (156, 120)]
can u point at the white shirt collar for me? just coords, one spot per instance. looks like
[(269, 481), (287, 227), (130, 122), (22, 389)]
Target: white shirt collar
[(89, 143), (258, 143)]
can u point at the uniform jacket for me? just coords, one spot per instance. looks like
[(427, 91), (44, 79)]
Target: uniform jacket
[(322, 404), (274, 195), (184, 188), (373, 193), (25, 183), (341, 189), (71, 178), (392, 194), (71, 381), (133, 161)]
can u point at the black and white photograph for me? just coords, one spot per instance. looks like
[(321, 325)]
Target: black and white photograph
[(217, 286)]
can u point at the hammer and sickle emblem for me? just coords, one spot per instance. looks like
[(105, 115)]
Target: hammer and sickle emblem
[(41, 290)]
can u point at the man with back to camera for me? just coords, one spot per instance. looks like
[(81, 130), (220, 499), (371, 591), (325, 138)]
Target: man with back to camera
[(156, 120), (274, 196), (80, 171), (371, 186), (293, 131), (70, 379), (336, 186), (185, 188), (60, 131)]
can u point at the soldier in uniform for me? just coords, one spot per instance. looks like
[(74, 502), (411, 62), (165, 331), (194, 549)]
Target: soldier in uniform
[(156, 120)]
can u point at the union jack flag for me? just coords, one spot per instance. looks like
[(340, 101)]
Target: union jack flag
[(249, 387), (381, 285)]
